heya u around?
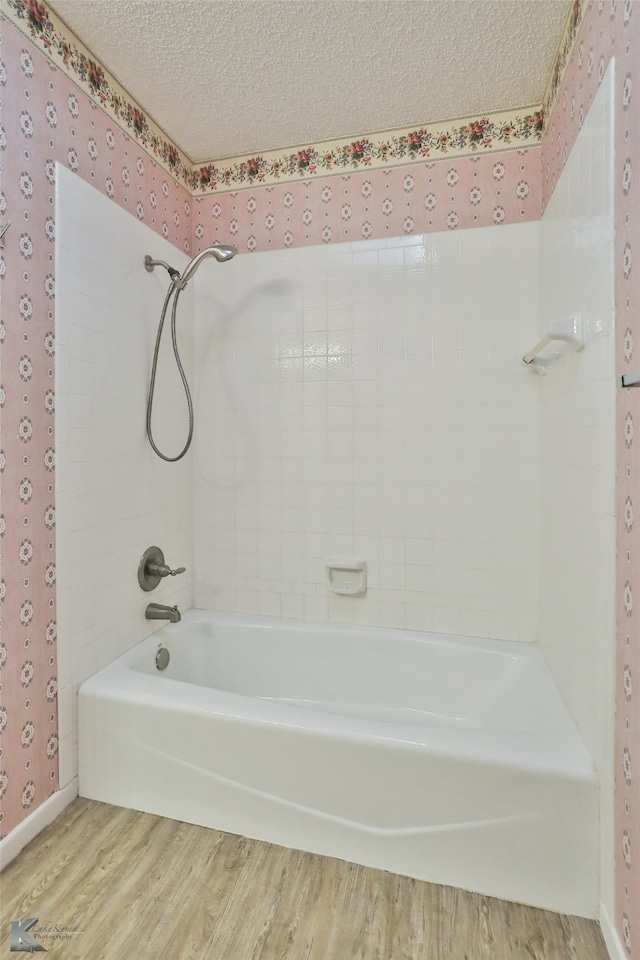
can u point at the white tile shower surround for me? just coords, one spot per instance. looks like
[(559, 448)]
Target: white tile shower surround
[(366, 400), (577, 452), (363, 400), (114, 498)]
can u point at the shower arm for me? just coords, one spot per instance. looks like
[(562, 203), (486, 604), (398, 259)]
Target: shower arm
[(150, 264)]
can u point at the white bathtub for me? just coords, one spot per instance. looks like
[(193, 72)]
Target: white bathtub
[(447, 759)]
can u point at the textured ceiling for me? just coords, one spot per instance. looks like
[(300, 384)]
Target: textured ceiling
[(233, 77)]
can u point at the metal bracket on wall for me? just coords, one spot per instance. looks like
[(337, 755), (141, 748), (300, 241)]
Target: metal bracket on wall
[(630, 379), (570, 330)]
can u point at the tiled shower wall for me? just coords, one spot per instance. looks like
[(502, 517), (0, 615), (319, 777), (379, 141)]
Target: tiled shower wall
[(114, 497), (47, 117), (365, 401), (577, 449), (612, 30)]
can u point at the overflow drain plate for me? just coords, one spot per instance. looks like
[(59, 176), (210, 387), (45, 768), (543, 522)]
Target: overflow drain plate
[(162, 658)]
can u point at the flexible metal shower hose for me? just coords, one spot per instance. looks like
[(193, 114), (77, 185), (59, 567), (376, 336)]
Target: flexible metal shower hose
[(175, 291)]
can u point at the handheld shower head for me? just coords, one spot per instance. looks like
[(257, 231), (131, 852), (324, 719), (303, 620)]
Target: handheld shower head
[(221, 252)]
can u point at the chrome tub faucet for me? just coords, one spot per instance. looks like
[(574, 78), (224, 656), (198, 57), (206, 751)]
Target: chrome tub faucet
[(158, 611)]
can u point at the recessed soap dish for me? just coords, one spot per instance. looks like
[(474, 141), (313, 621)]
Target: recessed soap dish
[(347, 576)]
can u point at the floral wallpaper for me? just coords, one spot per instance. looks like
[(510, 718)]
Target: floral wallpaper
[(625, 45), (456, 194), (59, 104), (468, 138), (45, 119), (64, 50), (563, 56)]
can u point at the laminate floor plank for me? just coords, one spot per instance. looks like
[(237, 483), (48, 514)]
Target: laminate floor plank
[(413, 927), (298, 914), (194, 914), (125, 883), (159, 877), (457, 919), (56, 849), (581, 939), (54, 872)]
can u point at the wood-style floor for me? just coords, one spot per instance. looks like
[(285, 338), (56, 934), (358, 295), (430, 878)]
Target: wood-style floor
[(107, 883)]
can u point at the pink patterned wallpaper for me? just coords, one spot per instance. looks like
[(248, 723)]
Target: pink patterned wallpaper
[(47, 117), (625, 45), (458, 193)]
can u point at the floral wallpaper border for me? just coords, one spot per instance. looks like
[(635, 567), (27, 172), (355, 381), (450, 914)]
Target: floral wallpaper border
[(462, 138), (62, 48), (452, 139), (562, 58)]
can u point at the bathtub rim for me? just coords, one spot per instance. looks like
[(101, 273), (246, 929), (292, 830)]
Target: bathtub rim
[(560, 749)]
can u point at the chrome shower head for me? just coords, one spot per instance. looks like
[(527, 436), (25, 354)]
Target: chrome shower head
[(221, 252)]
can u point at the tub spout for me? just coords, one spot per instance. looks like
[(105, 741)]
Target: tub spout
[(158, 611)]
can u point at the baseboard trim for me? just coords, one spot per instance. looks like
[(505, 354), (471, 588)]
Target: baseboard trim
[(610, 936), (46, 813)]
